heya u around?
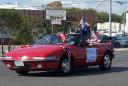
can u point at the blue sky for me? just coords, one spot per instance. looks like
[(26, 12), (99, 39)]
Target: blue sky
[(116, 7)]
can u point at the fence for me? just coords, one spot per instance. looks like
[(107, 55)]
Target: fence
[(72, 16)]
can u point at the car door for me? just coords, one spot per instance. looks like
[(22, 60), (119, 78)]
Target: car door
[(93, 54), (79, 55), (87, 55)]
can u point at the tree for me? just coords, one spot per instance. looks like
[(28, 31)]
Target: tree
[(26, 35), (19, 26), (90, 10), (117, 18), (11, 21), (103, 17), (55, 5)]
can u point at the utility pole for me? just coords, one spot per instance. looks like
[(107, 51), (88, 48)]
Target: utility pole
[(2, 37), (110, 12), (124, 19), (124, 14)]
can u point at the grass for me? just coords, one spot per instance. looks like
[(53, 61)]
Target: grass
[(1, 54)]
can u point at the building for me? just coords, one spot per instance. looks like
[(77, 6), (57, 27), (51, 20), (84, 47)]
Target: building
[(104, 28), (124, 27)]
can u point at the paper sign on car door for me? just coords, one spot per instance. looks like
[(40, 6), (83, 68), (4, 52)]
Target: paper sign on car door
[(91, 54)]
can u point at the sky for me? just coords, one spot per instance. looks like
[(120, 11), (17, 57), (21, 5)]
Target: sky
[(116, 7)]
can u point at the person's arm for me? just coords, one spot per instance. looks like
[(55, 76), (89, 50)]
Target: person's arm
[(77, 30)]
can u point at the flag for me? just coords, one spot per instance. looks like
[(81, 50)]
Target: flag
[(68, 50)]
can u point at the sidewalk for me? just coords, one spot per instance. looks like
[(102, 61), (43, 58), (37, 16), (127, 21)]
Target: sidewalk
[(121, 49)]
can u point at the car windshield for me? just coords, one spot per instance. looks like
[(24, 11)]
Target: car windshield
[(48, 39), (72, 39)]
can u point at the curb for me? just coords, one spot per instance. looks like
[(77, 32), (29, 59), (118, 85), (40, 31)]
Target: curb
[(120, 49)]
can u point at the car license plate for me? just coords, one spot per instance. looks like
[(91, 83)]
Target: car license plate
[(19, 63)]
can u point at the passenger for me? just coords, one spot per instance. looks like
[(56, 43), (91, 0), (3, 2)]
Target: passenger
[(96, 31), (84, 29), (95, 35)]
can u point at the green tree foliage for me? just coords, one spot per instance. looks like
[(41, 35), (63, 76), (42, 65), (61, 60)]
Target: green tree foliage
[(20, 26), (80, 10), (117, 18), (90, 10), (55, 5), (103, 17), (10, 19), (26, 35)]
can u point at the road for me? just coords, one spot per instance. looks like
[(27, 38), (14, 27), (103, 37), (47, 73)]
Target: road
[(117, 76)]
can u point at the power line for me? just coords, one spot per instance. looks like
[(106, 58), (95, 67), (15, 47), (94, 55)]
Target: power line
[(100, 4), (89, 2), (86, 2), (81, 2), (73, 3)]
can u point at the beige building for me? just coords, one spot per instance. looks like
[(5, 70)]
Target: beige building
[(125, 27), (104, 28)]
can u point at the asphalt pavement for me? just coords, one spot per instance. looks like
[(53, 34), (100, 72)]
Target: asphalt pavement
[(117, 76)]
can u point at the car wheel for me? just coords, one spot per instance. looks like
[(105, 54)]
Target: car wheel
[(106, 63), (22, 72), (65, 66)]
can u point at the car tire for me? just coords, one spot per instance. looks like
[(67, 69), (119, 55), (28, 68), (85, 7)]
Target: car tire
[(22, 72), (106, 62), (65, 66)]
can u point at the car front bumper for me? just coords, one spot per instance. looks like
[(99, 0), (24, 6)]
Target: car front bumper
[(33, 65)]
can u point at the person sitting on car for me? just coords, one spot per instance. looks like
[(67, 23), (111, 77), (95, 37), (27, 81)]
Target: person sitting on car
[(94, 36), (84, 29)]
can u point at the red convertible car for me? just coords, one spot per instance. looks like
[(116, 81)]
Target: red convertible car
[(50, 53)]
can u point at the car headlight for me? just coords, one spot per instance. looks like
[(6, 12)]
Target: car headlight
[(24, 57), (45, 58), (7, 57)]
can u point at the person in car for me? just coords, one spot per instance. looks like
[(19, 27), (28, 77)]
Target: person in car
[(94, 35), (84, 29)]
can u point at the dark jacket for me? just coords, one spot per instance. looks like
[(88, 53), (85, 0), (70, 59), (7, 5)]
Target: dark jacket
[(85, 31)]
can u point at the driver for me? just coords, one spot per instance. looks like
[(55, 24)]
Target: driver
[(49, 40)]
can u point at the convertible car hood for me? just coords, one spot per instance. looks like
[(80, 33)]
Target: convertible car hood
[(37, 50)]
